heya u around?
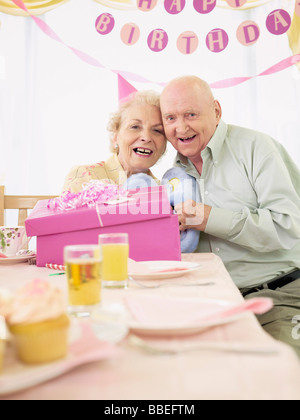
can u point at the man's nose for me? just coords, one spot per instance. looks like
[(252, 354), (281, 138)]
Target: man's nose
[(181, 126)]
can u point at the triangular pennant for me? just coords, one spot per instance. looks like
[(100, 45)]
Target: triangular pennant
[(125, 89)]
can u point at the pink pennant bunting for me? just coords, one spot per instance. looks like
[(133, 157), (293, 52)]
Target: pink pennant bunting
[(125, 89)]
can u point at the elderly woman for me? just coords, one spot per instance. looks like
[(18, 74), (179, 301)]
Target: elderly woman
[(137, 142)]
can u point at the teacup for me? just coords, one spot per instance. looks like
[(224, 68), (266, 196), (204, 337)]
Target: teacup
[(11, 240)]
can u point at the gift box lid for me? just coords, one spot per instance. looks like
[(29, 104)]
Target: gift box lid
[(140, 205)]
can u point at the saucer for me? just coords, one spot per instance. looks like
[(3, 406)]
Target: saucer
[(152, 270), (15, 260), (87, 343)]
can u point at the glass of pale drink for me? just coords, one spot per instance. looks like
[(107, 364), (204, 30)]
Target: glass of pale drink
[(83, 270), (115, 253)]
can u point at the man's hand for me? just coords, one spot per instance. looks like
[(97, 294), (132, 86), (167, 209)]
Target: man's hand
[(192, 215)]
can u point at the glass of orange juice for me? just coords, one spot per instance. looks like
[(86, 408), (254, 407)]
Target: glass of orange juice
[(83, 270), (115, 253)]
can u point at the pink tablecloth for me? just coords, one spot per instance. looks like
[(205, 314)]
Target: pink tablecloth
[(135, 374)]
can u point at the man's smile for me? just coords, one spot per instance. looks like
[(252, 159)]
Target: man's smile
[(187, 139)]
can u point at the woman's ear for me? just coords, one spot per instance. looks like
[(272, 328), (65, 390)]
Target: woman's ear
[(115, 143)]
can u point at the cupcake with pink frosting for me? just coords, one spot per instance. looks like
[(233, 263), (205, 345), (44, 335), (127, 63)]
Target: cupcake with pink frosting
[(6, 298), (38, 321)]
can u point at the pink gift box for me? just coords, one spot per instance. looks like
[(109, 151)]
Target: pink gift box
[(146, 215)]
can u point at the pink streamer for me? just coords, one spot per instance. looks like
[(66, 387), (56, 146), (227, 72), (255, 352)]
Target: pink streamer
[(132, 76), (92, 193), (52, 34), (282, 65), (46, 29), (229, 82)]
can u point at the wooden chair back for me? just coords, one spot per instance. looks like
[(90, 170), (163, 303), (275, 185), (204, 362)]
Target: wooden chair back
[(22, 203)]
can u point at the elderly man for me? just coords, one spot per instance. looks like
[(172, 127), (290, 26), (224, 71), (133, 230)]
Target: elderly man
[(250, 215)]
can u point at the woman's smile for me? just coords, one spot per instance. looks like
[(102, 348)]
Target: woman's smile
[(142, 152)]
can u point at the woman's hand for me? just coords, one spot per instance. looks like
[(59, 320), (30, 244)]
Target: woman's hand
[(192, 215)]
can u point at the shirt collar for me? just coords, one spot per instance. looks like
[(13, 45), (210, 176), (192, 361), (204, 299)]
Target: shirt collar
[(216, 142)]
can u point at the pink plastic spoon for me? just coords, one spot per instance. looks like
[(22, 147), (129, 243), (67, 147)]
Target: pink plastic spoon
[(256, 305)]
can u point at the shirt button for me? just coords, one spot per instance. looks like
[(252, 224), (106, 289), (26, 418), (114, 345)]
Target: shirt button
[(206, 193), (217, 249), (216, 162)]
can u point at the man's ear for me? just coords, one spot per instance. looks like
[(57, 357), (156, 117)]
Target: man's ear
[(218, 110)]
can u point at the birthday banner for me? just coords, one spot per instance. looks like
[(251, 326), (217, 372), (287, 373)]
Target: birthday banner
[(278, 22)]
